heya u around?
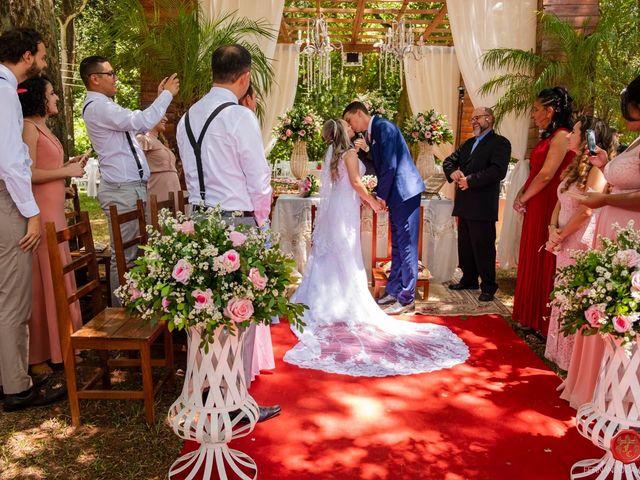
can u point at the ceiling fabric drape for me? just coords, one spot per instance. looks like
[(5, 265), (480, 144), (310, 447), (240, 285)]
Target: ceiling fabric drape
[(432, 82), (481, 25)]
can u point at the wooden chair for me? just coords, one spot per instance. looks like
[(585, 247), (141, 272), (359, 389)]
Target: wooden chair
[(155, 206), (108, 329), (379, 275), (119, 219)]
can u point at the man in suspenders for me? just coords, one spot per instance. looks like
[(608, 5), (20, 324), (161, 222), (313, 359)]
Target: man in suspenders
[(112, 130), (222, 156), (22, 56)]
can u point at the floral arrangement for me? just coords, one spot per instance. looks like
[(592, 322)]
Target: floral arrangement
[(377, 104), (299, 123), (370, 182), (308, 186), (600, 293), (207, 273), (430, 127)]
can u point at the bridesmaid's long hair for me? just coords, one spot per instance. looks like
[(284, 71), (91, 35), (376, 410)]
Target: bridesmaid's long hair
[(562, 103), (334, 133), (578, 171)]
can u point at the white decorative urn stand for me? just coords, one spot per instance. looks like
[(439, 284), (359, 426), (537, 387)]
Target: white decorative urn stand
[(426, 162), (610, 421), (299, 159), (214, 399)]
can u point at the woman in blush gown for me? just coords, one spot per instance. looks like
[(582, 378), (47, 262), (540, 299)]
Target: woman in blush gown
[(552, 113), (620, 206), (572, 225), (39, 102), (346, 332)]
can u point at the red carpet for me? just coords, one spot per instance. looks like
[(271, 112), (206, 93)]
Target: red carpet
[(498, 416)]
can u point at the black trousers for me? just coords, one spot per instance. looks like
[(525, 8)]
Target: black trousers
[(477, 253)]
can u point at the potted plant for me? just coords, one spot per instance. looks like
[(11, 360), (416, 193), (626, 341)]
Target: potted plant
[(297, 126), (377, 104), (427, 129)]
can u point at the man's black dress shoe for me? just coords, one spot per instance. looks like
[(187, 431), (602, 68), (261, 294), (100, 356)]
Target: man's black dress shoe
[(486, 297), (37, 380), (266, 413), (462, 286), (34, 397)]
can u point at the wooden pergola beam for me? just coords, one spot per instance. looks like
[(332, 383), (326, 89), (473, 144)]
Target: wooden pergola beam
[(283, 33), (357, 23), (437, 20)]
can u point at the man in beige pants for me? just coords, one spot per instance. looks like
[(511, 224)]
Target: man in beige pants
[(22, 56)]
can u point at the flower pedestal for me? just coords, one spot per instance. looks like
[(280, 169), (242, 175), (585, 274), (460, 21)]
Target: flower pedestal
[(426, 162), (214, 398), (299, 159), (614, 408)]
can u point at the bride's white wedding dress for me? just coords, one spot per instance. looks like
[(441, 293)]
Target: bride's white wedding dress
[(346, 331)]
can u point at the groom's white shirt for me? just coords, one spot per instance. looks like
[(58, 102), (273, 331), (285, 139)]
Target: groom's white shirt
[(236, 173)]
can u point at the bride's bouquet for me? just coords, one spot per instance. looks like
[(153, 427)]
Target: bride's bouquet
[(207, 273), (370, 182), (600, 293), (430, 127)]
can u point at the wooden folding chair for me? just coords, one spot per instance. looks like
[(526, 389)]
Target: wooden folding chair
[(119, 219), (108, 329), (155, 206), (379, 275)]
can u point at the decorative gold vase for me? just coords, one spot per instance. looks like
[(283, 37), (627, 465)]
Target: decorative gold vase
[(426, 162), (299, 159)]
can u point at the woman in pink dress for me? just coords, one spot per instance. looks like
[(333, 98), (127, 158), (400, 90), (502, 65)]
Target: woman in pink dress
[(552, 112), (49, 171), (162, 163), (619, 206), (572, 225)]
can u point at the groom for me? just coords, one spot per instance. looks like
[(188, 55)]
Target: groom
[(399, 188)]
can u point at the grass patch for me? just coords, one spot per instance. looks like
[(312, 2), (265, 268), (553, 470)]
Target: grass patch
[(97, 217)]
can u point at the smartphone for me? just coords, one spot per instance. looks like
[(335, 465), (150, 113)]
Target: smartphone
[(591, 142)]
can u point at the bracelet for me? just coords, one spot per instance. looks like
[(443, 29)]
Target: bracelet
[(553, 225)]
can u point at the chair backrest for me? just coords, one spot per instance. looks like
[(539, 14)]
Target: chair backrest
[(61, 266), (120, 246), (375, 259), (73, 216), (155, 206)]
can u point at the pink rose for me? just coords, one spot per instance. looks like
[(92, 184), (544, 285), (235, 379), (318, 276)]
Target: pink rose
[(187, 227), (595, 313), (203, 298), (237, 238), (258, 280), (420, 119), (427, 134), (415, 134), (239, 309), (301, 133), (288, 133), (231, 260), (635, 281), (622, 323), (165, 304), (182, 271), (308, 120), (629, 258), (134, 292)]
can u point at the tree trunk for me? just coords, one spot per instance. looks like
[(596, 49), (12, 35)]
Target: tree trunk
[(67, 63), (40, 15)]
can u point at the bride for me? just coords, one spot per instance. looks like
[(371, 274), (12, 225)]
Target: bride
[(346, 331)]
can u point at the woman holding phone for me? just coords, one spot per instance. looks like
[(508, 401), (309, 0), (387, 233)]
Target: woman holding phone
[(39, 102)]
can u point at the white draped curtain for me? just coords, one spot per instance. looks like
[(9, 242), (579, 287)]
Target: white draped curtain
[(283, 92), (480, 25), (432, 82), (268, 10)]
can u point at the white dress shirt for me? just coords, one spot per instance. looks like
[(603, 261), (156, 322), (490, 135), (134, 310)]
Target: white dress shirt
[(15, 162), (236, 173), (107, 123)]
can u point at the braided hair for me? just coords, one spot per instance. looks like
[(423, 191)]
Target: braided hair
[(562, 103), (334, 133), (578, 171)]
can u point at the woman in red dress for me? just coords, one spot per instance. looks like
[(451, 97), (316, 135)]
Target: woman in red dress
[(552, 112)]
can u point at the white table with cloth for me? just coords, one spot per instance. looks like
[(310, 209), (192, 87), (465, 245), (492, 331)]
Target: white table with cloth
[(291, 219)]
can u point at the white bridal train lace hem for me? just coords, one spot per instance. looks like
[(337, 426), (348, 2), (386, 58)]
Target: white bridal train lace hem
[(346, 332)]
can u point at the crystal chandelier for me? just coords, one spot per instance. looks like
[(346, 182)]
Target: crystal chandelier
[(399, 42), (316, 49)]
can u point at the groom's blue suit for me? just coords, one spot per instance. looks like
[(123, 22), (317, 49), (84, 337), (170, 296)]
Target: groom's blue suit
[(400, 186)]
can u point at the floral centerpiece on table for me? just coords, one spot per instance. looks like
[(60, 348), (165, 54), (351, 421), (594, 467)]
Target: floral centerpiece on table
[(430, 127), (377, 104), (600, 293), (370, 182), (309, 186), (207, 273), (299, 123)]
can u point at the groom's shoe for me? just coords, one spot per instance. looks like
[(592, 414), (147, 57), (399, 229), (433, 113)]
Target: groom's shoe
[(462, 286), (397, 308), (386, 300), (266, 413)]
